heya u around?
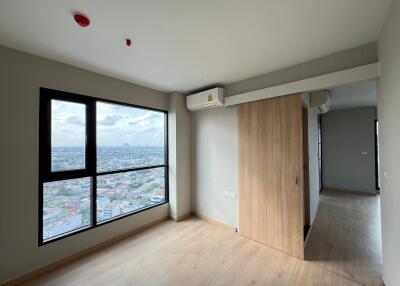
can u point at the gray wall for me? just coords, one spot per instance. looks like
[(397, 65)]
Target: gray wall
[(345, 135), (389, 122), (21, 75)]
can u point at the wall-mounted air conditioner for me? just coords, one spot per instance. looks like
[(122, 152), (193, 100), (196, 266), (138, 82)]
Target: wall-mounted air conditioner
[(320, 99), (205, 99)]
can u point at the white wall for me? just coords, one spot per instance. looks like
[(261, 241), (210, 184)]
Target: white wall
[(214, 136), (21, 76), (313, 160), (312, 155), (389, 123), (179, 126), (363, 55), (215, 163)]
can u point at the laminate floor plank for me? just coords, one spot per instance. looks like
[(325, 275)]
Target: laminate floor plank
[(343, 250)]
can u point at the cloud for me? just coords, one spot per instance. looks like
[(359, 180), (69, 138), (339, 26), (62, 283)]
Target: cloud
[(141, 119), (147, 122), (75, 120), (109, 120), (132, 125), (146, 127)]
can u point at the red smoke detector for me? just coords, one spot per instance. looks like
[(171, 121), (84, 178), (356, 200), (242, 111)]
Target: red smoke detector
[(82, 21), (128, 42)]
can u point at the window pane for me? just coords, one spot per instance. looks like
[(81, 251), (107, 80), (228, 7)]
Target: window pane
[(68, 135), (66, 206), (128, 137), (121, 193)]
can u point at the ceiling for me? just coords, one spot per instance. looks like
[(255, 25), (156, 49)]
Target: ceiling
[(181, 45), (354, 95)]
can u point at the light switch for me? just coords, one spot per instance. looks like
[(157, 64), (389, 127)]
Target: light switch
[(364, 153)]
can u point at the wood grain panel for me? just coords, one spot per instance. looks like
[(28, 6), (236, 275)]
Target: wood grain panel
[(270, 158)]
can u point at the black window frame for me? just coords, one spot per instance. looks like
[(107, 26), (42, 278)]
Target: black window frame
[(90, 170), (376, 133)]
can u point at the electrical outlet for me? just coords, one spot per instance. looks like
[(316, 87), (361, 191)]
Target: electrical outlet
[(230, 194)]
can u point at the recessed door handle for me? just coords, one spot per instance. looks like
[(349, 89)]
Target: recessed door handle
[(297, 180)]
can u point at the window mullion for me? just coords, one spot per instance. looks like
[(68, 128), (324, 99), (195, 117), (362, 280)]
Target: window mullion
[(91, 151)]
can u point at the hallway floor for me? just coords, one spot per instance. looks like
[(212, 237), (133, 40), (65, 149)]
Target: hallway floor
[(343, 249), (346, 236)]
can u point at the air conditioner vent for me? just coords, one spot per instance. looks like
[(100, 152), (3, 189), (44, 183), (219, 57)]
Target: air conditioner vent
[(321, 100), (205, 99)]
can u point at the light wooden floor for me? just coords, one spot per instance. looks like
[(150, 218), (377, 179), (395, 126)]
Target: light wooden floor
[(343, 249)]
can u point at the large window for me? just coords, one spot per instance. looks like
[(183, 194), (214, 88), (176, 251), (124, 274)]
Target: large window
[(99, 161)]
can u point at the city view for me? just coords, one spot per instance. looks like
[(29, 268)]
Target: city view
[(124, 157), (121, 193), (67, 204), (109, 158)]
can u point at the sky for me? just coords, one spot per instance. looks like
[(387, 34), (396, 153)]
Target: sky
[(116, 125)]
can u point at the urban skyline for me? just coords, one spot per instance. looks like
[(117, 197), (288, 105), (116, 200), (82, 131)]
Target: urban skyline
[(67, 203)]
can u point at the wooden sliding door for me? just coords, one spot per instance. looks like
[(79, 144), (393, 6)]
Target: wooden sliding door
[(271, 173)]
